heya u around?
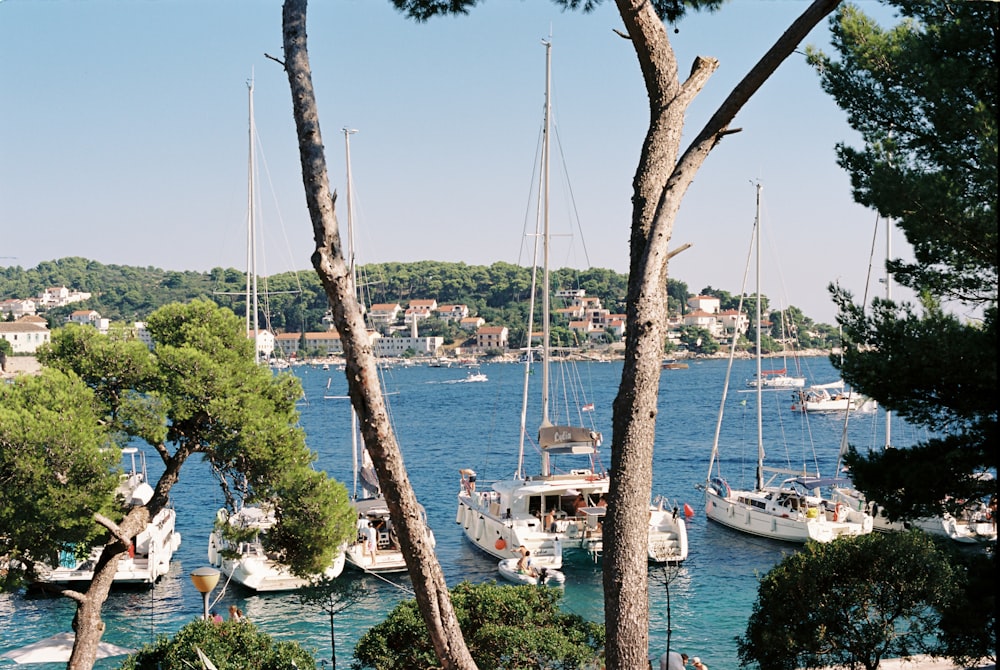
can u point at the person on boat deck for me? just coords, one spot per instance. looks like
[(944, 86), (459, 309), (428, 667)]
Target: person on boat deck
[(468, 480), (367, 535), (698, 665), (602, 502), (371, 535), (579, 503), (550, 521)]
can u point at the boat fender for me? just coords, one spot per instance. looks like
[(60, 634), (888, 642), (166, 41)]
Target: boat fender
[(460, 513), (500, 544), (480, 527), (571, 530), (688, 511)]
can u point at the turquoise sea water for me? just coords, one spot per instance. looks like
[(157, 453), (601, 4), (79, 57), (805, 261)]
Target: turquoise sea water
[(443, 425)]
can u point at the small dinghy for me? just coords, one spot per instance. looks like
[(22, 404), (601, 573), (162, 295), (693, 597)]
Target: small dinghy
[(547, 576)]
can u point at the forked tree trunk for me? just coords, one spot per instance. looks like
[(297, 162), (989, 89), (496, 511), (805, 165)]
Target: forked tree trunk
[(87, 623), (659, 185), (362, 378)]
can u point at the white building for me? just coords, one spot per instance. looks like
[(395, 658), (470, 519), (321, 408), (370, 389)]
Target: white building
[(265, 343), (18, 307), (392, 347), (24, 335)]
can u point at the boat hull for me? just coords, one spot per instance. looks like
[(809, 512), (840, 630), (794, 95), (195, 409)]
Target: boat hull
[(249, 565), (738, 511), (512, 515)]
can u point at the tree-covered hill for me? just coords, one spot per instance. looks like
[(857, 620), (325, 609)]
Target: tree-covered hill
[(295, 301)]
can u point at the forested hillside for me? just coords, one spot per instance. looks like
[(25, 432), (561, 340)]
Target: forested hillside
[(295, 302)]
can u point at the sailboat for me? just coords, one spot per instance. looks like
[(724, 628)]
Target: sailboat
[(553, 511), (793, 509), (375, 547), (245, 560)]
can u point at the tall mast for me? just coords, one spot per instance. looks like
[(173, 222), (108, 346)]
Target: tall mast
[(252, 325), (760, 385), (546, 344)]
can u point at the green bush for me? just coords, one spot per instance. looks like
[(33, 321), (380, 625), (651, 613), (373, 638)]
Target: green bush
[(230, 645)]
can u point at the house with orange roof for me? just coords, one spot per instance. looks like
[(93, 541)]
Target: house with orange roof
[(420, 309), (383, 315), (705, 303), (492, 337)]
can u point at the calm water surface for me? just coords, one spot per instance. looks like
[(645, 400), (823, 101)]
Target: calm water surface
[(445, 424)]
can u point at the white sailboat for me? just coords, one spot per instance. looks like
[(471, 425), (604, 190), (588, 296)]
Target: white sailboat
[(552, 511), (151, 551), (245, 561), (375, 547), (790, 508)]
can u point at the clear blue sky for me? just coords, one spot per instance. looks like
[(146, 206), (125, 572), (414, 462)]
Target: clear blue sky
[(124, 138)]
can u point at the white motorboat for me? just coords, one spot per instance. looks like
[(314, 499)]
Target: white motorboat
[(545, 576), (151, 551), (247, 562), (476, 377), (557, 510), (793, 509)]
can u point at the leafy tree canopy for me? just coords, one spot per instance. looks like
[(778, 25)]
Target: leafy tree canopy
[(503, 626), (851, 601), (231, 645), (58, 467)]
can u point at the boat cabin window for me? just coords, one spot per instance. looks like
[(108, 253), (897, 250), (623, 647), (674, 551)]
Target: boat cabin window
[(535, 505)]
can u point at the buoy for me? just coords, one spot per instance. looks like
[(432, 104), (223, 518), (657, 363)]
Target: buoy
[(500, 544), (688, 512)]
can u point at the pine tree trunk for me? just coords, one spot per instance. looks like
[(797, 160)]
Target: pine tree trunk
[(425, 572), (659, 185)]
